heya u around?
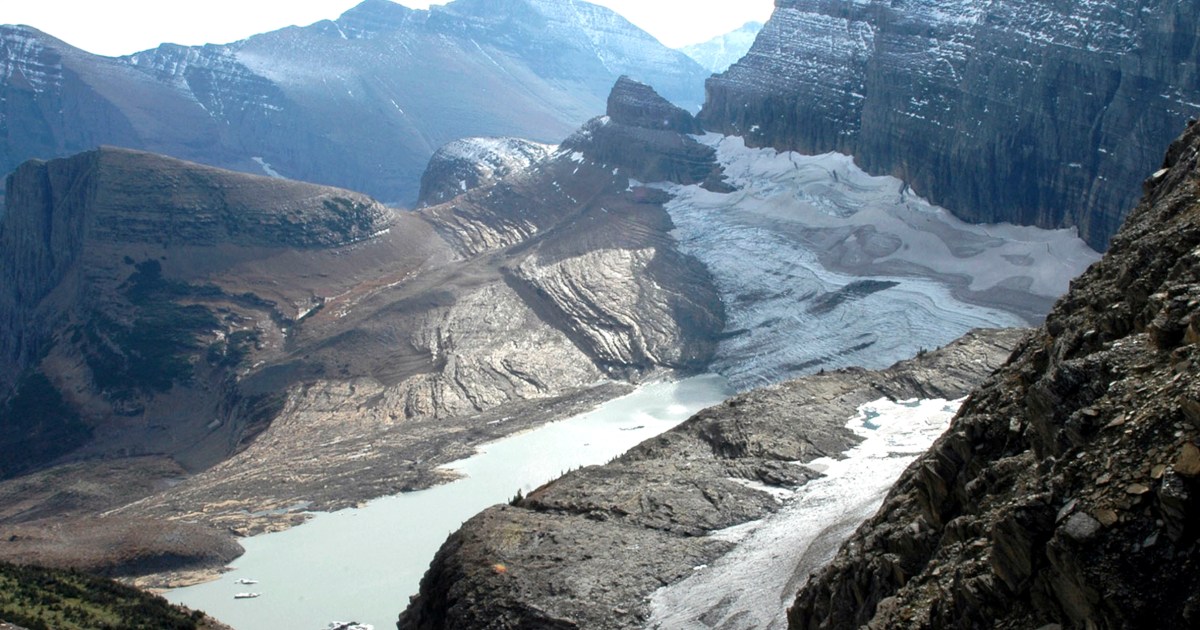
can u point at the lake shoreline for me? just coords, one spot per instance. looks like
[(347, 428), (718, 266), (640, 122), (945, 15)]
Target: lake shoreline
[(522, 461)]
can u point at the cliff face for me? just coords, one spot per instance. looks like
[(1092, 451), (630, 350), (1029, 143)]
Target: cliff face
[(68, 209), (1039, 112), (1066, 489), (100, 300)]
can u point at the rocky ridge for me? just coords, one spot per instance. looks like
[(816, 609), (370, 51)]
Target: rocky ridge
[(1065, 490), (587, 550), (359, 102), (976, 105)]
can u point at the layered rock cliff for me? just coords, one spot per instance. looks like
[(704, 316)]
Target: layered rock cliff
[(1065, 491), (1039, 112), (99, 256)]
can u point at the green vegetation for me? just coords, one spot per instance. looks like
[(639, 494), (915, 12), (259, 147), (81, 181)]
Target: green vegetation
[(37, 425), (43, 599), (155, 352)]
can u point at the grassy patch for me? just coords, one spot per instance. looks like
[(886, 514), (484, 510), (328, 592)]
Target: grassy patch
[(37, 598)]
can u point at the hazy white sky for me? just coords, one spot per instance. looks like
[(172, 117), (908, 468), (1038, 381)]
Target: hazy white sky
[(118, 27)]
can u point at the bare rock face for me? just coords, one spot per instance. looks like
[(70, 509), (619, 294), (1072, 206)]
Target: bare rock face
[(1039, 112), (587, 550), (605, 270), (648, 136), (90, 298), (1065, 492), (470, 163)]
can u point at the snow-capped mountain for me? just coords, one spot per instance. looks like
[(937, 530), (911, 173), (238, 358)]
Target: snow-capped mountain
[(722, 51), (360, 102)]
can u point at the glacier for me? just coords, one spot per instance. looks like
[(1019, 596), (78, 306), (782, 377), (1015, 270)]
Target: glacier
[(823, 266)]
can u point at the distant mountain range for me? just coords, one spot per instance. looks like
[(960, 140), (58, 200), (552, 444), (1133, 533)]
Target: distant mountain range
[(722, 51), (360, 102)]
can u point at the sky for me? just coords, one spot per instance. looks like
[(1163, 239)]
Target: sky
[(118, 27)]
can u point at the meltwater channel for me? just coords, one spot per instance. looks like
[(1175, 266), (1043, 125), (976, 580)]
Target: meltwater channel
[(363, 564)]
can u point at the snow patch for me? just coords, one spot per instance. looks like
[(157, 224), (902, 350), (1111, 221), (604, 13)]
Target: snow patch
[(753, 584), (271, 172)]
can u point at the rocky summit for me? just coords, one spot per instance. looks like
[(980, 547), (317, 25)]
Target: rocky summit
[(469, 163), (1037, 112), (1065, 492)]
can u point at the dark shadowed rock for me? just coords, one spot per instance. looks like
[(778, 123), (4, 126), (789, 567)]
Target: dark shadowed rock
[(648, 138), (638, 105)]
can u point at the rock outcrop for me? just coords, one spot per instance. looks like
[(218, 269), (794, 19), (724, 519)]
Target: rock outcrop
[(359, 102), (1065, 492), (587, 550), (91, 300), (605, 271), (470, 163), (1039, 112)]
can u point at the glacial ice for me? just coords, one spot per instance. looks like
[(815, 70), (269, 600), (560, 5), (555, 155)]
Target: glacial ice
[(822, 266)]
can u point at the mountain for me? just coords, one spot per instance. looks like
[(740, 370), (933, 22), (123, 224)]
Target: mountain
[(1062, 494), (469, 163), (215, 342), (722, 51), (1065, 490), (1038, 112), (360, 102), (105, 313)]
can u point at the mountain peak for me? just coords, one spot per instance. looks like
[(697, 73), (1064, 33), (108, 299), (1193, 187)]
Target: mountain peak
[(636, 104), (373, 16)]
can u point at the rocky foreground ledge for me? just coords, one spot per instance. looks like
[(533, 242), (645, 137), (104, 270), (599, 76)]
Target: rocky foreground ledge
[(1067, 490), (587, 550)]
